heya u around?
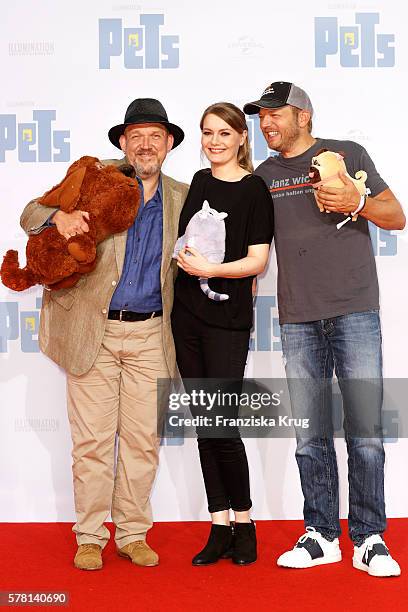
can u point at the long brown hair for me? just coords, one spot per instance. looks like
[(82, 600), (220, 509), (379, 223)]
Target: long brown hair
[(235, 118)]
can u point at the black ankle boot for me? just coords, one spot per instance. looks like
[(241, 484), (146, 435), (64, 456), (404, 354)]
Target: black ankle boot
[(217, 547), (244, 543)]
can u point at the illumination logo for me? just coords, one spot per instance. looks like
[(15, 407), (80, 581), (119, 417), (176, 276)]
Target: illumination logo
[(357, 46), (140, 47), (35, 141)]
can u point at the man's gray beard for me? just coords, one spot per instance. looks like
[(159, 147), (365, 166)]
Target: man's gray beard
[(146, 170)]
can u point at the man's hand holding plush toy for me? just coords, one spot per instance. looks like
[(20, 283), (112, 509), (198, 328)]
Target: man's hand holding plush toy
[(71, 224), (335, 190), (344, 199)]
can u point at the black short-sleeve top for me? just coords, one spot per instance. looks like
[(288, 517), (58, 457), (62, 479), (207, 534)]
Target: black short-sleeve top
[(250, 221)]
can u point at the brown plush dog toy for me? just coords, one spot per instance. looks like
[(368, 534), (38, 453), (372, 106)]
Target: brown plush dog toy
[(325, 170), (109, 194)]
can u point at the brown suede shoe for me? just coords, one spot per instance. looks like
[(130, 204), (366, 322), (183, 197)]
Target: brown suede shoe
[(139, 553), (88, 557)]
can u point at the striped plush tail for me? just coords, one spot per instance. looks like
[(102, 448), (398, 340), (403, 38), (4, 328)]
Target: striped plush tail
[(213, 295)]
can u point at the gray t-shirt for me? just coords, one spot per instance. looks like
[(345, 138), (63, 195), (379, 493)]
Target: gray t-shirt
[(323, 272)]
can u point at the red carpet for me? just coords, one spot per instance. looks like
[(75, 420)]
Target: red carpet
[(38, 557)]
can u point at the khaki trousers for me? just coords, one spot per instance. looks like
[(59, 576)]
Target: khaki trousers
[(117, 396)]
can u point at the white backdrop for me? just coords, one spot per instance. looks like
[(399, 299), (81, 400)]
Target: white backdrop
[(68, 72)]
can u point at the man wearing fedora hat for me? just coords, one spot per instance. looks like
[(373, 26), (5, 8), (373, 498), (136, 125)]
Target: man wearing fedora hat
[(329, 315), (112, 335)]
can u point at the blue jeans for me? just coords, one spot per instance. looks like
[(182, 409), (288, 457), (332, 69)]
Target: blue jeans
[(350, 346)]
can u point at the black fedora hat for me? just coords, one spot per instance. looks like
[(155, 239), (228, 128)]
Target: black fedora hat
[(145, 110)]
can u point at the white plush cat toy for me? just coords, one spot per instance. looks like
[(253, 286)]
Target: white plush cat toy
[(206, 232)]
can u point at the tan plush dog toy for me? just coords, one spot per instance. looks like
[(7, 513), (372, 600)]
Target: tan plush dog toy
[(109, 194), (325, 170)]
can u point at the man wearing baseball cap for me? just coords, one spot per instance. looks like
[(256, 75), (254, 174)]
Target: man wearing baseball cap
[(329, 315), (116, 342)]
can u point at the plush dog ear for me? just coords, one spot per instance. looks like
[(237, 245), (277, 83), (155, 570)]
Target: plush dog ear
[(321, 151), (66, 194), (342, 153)]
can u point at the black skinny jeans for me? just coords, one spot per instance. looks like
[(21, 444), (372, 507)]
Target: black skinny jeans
[(209, 352)]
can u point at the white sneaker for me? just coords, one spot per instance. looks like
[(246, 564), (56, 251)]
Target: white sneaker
[(311, 549), (373, 557)]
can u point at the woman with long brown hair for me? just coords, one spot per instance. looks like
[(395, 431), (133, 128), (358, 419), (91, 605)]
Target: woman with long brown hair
[(212, 337)]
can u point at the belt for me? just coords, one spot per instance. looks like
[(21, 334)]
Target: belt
[(128, 315)]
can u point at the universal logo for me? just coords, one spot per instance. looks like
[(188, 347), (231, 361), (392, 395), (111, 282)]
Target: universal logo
[(357, 46), (247, 46)]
